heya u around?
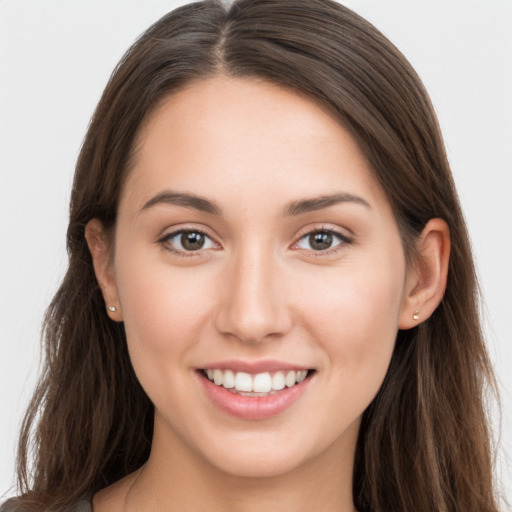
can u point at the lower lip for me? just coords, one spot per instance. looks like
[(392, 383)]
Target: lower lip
[(253, 407)]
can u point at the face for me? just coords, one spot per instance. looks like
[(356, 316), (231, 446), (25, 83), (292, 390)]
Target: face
[(254, 248)]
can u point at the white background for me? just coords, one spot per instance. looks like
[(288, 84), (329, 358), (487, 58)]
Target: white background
[(55, 58)]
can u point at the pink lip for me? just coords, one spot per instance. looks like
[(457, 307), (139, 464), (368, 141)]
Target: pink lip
[(252, 408), (253, 367)]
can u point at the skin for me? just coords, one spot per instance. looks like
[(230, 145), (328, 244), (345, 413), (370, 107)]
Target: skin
[(258, 289)]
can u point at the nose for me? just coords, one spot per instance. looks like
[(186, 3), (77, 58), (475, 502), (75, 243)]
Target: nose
[(253, 304)]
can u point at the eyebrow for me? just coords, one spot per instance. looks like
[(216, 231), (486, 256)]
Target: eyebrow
[(321, 202), (299, 207), (184, 199)]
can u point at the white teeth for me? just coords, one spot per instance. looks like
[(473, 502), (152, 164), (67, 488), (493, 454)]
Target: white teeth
[(262, 383), (278, 381), (229, 379), (290, 379), (243, 382), (301, 375), (259, 383), (218, 377)]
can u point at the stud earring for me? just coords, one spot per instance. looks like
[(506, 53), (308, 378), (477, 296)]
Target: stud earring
[(416, 315), (112, 309)]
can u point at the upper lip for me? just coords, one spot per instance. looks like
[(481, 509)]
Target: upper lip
[(254, 367)]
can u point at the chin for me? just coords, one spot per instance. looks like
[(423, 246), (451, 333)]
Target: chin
[(276, 465), (259, 456)]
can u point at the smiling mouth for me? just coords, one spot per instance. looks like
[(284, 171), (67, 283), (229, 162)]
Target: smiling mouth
[(256, 385)]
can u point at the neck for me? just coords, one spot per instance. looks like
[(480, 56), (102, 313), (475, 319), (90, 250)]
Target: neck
[(177, 478)]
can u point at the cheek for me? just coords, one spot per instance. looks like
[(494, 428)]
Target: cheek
[(355, 318), (162, 313), (157, 298)]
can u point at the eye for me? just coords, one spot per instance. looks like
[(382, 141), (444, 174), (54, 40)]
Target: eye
[(322, 240), (187, 240)]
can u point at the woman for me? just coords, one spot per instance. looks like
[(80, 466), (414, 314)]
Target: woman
[(270, 300)]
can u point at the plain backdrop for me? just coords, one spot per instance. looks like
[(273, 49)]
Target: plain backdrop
[(55, 59)]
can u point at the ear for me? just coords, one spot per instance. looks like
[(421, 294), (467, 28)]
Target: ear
[(426, 281), (100, 248)]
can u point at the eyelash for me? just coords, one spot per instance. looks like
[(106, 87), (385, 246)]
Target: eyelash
[(164, 241), (343, 240)]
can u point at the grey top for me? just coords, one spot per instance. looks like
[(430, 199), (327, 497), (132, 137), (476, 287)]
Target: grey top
[(84, 505)]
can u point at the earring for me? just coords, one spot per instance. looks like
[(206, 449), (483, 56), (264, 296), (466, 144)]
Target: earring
[(416, 315), (112, 309)]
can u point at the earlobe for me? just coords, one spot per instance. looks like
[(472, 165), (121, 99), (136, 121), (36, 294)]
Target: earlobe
[(99, 246), (426, 281)]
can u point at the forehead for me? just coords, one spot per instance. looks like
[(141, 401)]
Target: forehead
[(226, 136)]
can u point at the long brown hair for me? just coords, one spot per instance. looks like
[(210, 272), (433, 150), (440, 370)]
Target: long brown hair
[(424, 443)]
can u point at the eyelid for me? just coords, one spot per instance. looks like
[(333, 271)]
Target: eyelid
[(343, 238), (338, 233), (163, 240)]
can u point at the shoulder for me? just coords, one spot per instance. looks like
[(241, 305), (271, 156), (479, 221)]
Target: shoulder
[(7, 506), (112, 498), (109, 499), (84, 505)]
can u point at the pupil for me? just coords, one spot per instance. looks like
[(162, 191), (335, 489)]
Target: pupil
[(192, 241), (320, 241)]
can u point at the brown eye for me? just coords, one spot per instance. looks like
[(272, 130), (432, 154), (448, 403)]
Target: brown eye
[(184, 241), (320, 241), (192, 240)]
